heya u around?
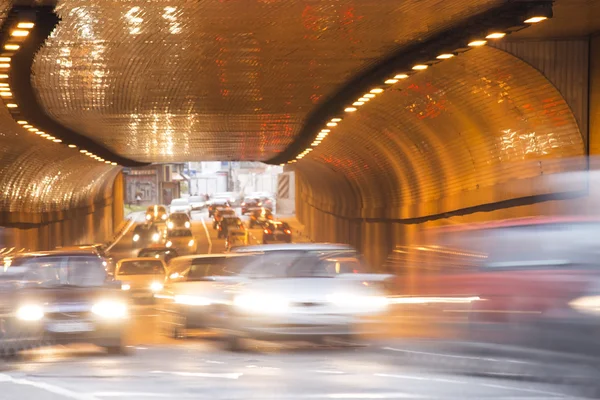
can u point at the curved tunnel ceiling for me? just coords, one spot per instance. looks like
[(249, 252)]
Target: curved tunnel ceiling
[(179, 81), (463, 133)]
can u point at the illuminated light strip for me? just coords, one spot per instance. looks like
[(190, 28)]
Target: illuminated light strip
[(20, 33), (393, 80)]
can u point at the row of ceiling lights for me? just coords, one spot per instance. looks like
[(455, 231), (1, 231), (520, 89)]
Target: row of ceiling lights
[(478, 42), (17, 36)]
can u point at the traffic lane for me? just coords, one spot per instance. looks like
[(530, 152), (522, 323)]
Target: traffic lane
[(200, 371)]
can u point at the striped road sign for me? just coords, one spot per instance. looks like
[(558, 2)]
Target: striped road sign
[(283, 187)]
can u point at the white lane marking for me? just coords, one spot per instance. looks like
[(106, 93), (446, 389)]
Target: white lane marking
[(396, 395), (47, 387), (491, 385), (322, 371), (421, 378), (207, 235), (448, 355), (213, 362), (132, 222), (144, 395), (226, 375)]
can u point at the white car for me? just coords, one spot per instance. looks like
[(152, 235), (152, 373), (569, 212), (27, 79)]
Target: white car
[(302, 294), (182, 240), (180, 205), (194, 290), (197, 203), (141, 277)]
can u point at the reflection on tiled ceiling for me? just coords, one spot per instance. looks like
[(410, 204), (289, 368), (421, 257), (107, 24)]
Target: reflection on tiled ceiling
[(177, 80)]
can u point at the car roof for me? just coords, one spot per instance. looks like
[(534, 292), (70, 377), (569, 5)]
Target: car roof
[(294, 246), (63, 252), (124, 260), (163, 248), (216, 255)]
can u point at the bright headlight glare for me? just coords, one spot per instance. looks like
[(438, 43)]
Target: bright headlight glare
[(125, 286), (261, 304), (136, 237), (170, 225), (174, 275), (164, 217), (169, 243), (156, 286), (187, 224), (155, 237), (30, 313), (110, 309), (148, 217), (587, 304), (191, 243), (192, 300), (358, 302)]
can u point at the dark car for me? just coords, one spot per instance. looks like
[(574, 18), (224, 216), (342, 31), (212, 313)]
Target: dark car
[(179, 220), (216, 204), (260, 216), (156, 213), (163, 253), (221, 213), (228, 222), (253, 202), (62, 297), (100, 249), (146, 234), (277, 231)]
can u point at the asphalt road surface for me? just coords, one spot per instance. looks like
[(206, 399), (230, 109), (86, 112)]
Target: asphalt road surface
[(197, 367)]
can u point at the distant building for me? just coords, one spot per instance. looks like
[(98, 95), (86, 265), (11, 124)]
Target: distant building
[(155, 184)]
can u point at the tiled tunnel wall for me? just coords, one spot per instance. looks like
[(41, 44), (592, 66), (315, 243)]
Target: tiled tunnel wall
[(480, 130)]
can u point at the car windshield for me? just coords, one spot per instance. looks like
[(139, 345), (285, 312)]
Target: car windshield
[(52, 271), (179, 202), (179, 233), (179, 217), (293, 264), (215, 266), (145, 229), (141, 267)]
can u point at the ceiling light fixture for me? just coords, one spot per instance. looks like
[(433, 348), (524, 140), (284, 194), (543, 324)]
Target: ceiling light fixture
[(391, 81), (350, 109), (477, 43), (377, 90), (364, 99), (332, 124), (3, 76), (11, 47), (12, 105), (25, 25), (358, 103), (420, 67), (496, 35), (27, 126), (5, 59), (445, 56), (57, 141), (369, 95), (113, 163), (401, 76), (336, 119), (72, 146), (19, 33), (22, 122), (535, 20), (33, 129), (6, 94), (4, 65)]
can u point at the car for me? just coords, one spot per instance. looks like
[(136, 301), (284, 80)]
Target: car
[(250, 203), (259, 216), (100, 249), (179, 220), (300, 295), (160, 252), (141, 277), (337, 248), (277, 231), (183, 240), (231, 197), (197, 203), (156, 213), (215, 204), (235, 238), (145, 234), (194, 291), (63, 297), (221, 213), (180, 205), (228, 222)]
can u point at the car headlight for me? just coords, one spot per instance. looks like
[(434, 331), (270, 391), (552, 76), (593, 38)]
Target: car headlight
[(164, 217), (148, 217), (30, 313), (192, 300), (359, 303), (156, 286), (261, 304), (170, 225), (169, 243), (136, 237), (587, 304), (191, 243), (155, 237), (187, 224), (174, 275), (125, 286), (111, 309)]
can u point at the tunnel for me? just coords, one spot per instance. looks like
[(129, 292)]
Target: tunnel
[(97, 86)]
